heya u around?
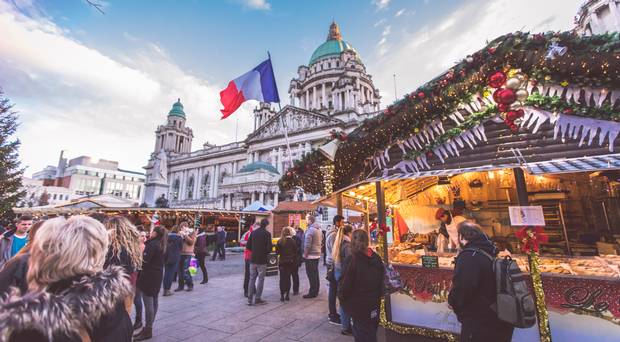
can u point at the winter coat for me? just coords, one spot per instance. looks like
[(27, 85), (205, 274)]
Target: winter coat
[(173, 250), (345, 251), (247, 254), (361, 286), (329, 245), (200, 248), (312, 242), (6, 244), (92, 305), (221, 237), (260, 244), (299, 244), (473, 284), (188, 244), (287, 251), (152, 273), (14, 274)]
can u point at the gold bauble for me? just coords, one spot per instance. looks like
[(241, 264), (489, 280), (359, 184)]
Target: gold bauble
[(522, 95), (513, 83)]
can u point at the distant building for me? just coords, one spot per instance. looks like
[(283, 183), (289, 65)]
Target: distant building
[(598, 16), (83, 176), (37, 191)]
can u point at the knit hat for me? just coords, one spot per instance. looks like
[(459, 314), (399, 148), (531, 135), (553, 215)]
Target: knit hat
[(439, 213)]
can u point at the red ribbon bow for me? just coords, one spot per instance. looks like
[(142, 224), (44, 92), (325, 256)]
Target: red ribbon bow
[(531, 238)]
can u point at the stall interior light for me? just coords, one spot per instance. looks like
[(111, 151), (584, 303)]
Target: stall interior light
[(491, 174), (352, 193), (366, 198)]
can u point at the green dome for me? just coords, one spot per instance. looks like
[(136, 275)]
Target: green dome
[(259, 165), (177, 110), (333, 47)]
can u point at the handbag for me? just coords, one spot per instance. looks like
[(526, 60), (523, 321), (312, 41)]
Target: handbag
[(330, 276)]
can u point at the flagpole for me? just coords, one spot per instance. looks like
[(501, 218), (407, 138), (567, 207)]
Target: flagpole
[(288, 145)]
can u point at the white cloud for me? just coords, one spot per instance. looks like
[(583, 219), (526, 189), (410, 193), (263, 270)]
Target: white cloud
[(263, 5), (381, 4), (71, 96), (382, 47), (399, 13), (380, 22), (419, 56)]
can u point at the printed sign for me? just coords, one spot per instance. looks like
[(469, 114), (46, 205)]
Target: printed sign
[(526, 216), (430, 261)]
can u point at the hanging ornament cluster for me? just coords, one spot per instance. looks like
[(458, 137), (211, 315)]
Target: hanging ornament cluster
[(510, 93)]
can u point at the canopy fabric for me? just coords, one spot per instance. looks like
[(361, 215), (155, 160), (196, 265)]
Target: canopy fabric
[(258, 206)]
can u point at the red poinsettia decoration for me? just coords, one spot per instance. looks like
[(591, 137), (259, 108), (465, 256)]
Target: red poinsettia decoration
[(383, 230), (531, 238)]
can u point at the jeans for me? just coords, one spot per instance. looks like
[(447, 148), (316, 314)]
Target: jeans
[(169, 271), (345, 319), (365, 330), (150, 310), (312, 271), (246, 277), (221, 250), (286, 271), (256, 289), (184, 275), (137, 302), (201, 262), (331, 297), (295, 276)]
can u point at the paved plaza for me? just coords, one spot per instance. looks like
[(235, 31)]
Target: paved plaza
[(218, 311)]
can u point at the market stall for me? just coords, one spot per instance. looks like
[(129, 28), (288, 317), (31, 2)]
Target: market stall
[(520, 137)]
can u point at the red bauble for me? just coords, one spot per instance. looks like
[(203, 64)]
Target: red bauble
[(568, 111), (429, 154), (505, 96), (514, 114), (421, 95), (496, 80), (514, 128), (503, 107), (491, 50)]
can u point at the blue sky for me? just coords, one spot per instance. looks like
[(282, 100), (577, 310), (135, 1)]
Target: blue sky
[(99, 84)]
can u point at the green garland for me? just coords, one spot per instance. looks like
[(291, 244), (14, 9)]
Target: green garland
[(558, 105)]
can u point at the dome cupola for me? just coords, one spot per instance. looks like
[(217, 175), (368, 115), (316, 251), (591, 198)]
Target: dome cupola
[(177, 109), (333, 47)]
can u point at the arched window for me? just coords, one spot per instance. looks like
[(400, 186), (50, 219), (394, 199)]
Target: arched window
[(190, 188), (205, 186), (175, 189)]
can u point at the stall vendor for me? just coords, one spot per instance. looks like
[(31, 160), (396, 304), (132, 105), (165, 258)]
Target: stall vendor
[(443, 238)]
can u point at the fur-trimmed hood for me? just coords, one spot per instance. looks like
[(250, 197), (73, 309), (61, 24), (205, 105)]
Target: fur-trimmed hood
[(80, 305)]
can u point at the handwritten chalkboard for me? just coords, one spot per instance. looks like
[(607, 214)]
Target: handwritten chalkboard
[(430, 261)]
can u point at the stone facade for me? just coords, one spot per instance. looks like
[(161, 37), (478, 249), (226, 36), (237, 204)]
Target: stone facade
[(333, 92), (598, 16)]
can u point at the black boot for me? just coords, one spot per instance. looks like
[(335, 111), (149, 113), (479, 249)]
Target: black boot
[(204, 281), (138, 324), (286, 297), (282, 297), (145, 334)]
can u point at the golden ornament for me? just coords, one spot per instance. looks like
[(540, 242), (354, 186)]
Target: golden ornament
[(522, 95), (564, 83), (513, 83)]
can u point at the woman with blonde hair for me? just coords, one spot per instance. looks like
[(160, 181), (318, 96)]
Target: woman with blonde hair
[(286, 249), (340, 251), (71, 296), (124, 250)]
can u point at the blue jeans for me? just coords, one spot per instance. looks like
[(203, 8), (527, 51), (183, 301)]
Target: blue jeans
[(184, 276), (169, 271), (345, 319)]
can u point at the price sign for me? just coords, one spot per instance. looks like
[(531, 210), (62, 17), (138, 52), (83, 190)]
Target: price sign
[(430, 261), (526, 216)]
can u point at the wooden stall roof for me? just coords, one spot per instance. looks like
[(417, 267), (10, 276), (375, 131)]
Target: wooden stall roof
[(61, 211), (294, 207)]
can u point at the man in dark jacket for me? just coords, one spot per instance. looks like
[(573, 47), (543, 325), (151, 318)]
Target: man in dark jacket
[(260, 244), (473, 290), (172, 258)]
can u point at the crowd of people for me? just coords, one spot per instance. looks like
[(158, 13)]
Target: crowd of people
[(80, 278)]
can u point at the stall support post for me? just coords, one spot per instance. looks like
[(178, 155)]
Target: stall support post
[(521, 186), (382, 239), (339, 204), (239, 229)]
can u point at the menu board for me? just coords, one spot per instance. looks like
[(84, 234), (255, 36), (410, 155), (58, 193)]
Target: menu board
[(526, 216), (430, 261)]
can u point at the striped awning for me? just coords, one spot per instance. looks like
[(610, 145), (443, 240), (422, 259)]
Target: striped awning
[(582, 164)]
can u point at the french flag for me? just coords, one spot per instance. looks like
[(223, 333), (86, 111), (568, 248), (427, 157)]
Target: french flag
[(256, 84)]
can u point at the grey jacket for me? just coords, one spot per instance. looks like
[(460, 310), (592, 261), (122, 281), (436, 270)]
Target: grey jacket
[(312, 242), (329, 245)]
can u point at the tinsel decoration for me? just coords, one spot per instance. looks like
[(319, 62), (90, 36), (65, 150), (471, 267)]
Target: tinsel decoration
[(539, 294), (380, 248), (409, 330)]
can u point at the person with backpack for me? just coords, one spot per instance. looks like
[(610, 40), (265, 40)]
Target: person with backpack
[(473, 294)]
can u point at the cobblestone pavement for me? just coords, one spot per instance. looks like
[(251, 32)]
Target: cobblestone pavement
[(217, 311)]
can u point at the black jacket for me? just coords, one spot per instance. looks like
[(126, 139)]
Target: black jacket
[(361, 286), (473, 284), (14, 274), (221, 237), (152, 273), (173, 250), (121, 259), (287, 251), (94, 304), (260, 244)]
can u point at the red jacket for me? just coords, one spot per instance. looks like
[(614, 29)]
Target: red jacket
[(247, 254)]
